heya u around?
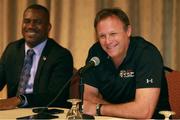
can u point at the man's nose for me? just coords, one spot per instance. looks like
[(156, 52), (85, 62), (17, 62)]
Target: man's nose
[(31, 24), (108, 39)]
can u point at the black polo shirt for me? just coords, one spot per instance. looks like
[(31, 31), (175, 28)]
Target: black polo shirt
[(141, 68)]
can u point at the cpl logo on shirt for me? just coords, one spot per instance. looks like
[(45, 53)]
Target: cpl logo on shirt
[(126, 73)]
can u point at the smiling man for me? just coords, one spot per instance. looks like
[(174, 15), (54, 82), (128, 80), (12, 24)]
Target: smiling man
[(130, 80), (35, 68)]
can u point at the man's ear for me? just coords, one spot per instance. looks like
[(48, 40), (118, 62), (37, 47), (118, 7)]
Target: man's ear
[(49, 27), (129, 30)]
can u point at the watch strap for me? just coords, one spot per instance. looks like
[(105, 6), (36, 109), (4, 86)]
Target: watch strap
[(98, 109)]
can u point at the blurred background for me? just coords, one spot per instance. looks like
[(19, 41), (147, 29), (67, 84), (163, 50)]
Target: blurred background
[(158, 21)]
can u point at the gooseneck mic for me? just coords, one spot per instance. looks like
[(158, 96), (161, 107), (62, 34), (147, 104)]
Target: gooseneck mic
[(94, 61)]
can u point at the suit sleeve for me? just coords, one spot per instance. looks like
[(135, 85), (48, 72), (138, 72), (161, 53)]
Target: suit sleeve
[(2, 68), (2, 73)]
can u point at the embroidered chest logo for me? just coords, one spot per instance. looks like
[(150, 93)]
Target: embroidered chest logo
[(149, 80), (126, 73)]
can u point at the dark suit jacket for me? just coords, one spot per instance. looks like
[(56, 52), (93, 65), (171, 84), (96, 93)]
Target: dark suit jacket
[(54, 69)]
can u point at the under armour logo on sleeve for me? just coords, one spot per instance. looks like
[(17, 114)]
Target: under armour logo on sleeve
[(149, 80)]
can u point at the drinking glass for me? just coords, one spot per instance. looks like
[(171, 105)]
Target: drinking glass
[(167, 114), (74, 112)]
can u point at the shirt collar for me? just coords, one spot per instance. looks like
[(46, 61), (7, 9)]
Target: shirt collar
[(38, 49)]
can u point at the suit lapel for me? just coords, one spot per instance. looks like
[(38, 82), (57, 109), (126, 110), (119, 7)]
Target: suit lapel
[(20, 59), (42, 62)]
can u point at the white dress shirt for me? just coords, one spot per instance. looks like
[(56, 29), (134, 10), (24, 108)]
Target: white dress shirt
[(38, 51)]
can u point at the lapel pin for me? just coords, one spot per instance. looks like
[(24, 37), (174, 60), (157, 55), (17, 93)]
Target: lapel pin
[(44, 58)]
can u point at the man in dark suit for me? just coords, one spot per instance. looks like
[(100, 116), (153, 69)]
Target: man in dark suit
[(52, 65)]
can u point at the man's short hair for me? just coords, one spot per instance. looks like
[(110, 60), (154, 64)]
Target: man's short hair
[(107, 12), (39, 7)]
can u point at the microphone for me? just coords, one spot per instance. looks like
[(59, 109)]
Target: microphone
[(94, 61)]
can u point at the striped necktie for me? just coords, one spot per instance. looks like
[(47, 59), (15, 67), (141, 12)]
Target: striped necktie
[(25, 74)]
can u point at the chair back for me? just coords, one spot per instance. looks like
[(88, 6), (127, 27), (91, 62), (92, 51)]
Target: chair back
[(74, 86), (173, 80)]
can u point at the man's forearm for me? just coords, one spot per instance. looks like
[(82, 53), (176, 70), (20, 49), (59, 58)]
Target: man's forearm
[(127, 110), (96, 99), (9, 103)]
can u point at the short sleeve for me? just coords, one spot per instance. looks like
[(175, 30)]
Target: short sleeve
[(149, 68)]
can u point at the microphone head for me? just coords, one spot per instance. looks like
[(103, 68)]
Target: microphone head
[(95, 60)]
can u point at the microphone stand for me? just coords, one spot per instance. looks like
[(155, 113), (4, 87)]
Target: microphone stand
[(92, 63), (81, 92)]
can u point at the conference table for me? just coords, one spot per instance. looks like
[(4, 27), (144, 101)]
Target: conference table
[(21, 112)]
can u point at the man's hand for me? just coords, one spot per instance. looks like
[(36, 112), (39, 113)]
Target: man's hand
[(92, 97), (89, 108), (9, 103)]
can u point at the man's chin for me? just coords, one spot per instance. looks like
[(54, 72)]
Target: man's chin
[(110, 53), (31, 42), (30, 38)]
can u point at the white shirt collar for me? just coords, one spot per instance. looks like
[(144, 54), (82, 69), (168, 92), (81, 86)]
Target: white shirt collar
[(37, 49)]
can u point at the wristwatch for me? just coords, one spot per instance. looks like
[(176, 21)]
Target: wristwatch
[(98, 109)]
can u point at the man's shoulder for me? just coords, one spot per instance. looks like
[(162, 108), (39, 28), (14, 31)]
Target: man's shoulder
[(16, 44), (96, 45), (140, 42), (142, 46), (96, 50), (56, 47)]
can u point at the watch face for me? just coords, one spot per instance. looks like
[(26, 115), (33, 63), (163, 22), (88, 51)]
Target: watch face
[(98, 109)]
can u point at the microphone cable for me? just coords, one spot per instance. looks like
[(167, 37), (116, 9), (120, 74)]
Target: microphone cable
[(62, 89), (96, 62), (41, 110)]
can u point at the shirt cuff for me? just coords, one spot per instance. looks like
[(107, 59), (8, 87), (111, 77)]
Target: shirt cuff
[(23, 100)]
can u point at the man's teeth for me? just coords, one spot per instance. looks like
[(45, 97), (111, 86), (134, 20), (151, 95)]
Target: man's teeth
[(31, 33), (110, 47)]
